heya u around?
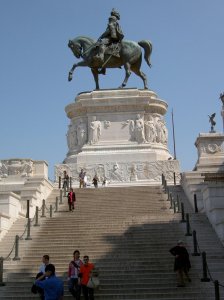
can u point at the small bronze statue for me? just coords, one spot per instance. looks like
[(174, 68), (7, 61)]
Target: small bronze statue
[(111, 51), (211, 120), (222, 98)]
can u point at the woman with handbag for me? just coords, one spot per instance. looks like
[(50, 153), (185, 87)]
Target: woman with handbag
[(85, 274)]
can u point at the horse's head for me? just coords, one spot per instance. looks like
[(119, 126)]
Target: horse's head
[(76, 48)]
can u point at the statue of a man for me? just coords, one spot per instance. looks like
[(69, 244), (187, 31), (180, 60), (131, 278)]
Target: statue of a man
[(150, 131), (212, 121), (139, 130), (81, 133), (71, 137), (94, 131), (112, 35)]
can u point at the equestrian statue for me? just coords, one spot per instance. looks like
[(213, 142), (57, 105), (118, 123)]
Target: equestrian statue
[(110, 51)]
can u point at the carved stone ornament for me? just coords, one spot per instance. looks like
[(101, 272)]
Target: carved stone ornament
[(12, 167), (94, 131), (72, 140), (107, 124), (213, 148), (81, 133), (126, 172), (59, 171)]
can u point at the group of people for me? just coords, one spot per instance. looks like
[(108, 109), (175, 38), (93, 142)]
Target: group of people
[(47, 284), (50, 287), (80, 274), (83, 180)]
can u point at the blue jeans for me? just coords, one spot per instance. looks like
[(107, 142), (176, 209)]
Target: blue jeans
[(74, 288)]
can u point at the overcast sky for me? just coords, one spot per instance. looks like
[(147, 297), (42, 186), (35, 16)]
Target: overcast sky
[(187, 68)]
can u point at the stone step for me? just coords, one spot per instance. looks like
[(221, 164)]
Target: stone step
[(119, 229)]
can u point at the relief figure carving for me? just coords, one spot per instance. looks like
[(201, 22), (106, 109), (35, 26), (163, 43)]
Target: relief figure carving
[(94, 131), (139, 130), (150, 131), (81, 133), (72, 137)]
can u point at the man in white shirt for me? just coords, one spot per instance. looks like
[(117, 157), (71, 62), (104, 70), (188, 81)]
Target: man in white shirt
[(36, 289), (45, 262)]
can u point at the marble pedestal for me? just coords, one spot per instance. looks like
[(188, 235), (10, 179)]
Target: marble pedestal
[(118, 134), (210, 152)]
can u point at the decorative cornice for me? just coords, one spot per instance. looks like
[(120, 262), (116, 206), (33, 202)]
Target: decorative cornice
[(110, 101)]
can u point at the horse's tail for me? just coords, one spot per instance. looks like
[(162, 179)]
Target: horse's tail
[(147, 46)]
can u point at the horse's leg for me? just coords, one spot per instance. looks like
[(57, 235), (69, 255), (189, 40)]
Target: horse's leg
[(79, 64), (96, 77), (138, 72), (71, 72), (127, 74)]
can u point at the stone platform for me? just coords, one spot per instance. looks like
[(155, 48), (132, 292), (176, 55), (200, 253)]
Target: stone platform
[(118, 134)]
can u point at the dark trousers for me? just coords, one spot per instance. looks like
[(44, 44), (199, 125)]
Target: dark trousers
[(88, 293), (74, 288), (39, 290), (66, 184), (71, 205)]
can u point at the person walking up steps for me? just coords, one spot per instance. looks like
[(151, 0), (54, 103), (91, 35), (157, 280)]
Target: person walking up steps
[(182, 263)]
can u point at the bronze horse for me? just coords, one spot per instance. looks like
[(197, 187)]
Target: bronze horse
[(130, 56)]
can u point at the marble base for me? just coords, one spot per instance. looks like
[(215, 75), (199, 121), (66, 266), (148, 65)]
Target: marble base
[(210, 152), (118, 134)]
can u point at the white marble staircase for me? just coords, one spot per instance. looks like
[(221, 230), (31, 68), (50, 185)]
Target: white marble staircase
[(127, 232)]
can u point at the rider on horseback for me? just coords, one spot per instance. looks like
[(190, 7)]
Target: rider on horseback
[(112, 36)]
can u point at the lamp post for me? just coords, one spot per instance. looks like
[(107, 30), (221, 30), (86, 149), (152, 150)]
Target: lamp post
[(222, 111)]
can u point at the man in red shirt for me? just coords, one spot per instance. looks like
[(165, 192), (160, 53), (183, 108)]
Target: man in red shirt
[(85, 273)]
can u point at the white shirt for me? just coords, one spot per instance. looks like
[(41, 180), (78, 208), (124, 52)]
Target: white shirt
[(42, 268)]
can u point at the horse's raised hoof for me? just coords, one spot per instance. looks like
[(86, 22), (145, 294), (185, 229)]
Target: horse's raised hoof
[(102, 71)]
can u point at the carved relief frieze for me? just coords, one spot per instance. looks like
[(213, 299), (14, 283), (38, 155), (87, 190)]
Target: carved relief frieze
[(59, 171), (126, 172), (12, 167)]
